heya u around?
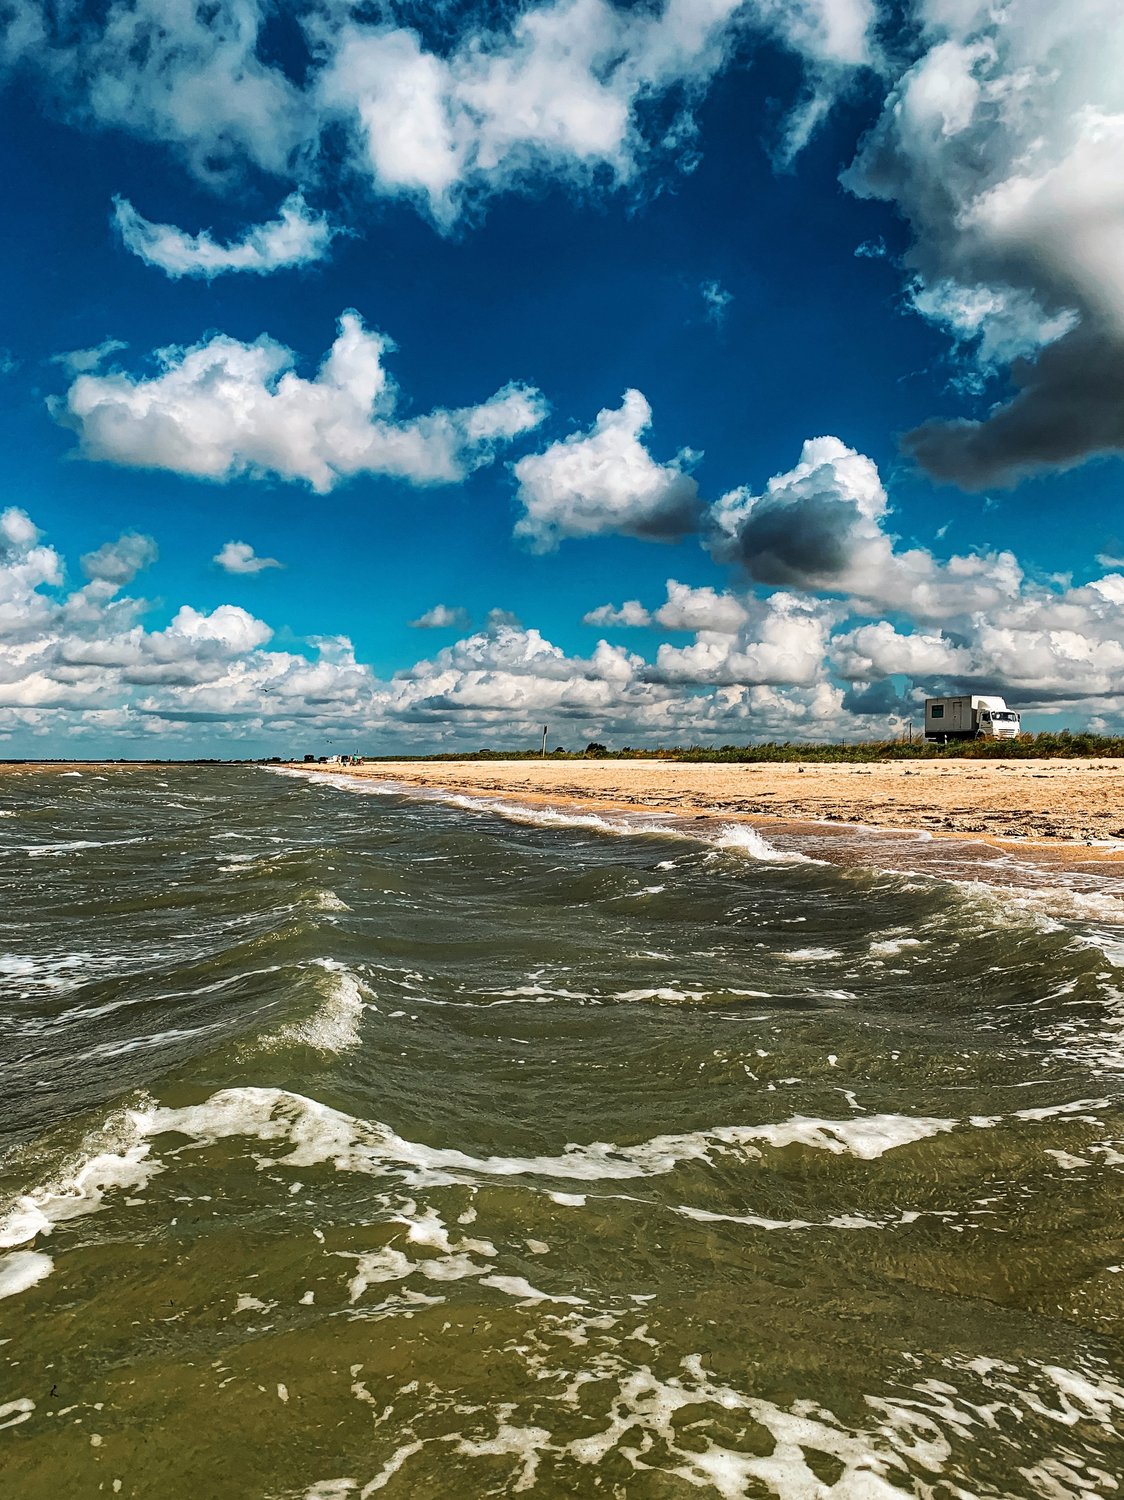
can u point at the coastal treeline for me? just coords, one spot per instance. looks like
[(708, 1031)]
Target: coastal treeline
[(1057, 745)]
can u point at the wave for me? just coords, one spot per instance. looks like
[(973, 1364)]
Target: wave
[(731, 838), (741, 838), (334, 1025), (316, 1134), (23, 1269), (114, 1159)]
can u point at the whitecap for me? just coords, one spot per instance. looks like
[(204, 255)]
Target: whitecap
[(334, 1025), (78, 1191), (23, 1269), (318, 1134)]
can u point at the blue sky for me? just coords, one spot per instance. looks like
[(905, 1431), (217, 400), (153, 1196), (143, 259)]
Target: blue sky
[(803, 255)]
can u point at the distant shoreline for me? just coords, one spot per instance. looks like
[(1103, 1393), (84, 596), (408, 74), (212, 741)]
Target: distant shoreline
[(1054, 802)]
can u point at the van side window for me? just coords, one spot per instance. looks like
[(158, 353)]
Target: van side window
[(937, 711)]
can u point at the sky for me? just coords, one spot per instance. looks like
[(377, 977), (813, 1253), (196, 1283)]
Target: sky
[(405, 377)]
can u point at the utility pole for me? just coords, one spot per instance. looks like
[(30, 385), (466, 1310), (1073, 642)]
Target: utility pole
[(544, 729)]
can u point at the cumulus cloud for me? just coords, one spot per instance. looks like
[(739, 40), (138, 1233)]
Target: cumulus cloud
[(224, 407), (878, 651), (821, 527), (297, 237), (119, 562), (81, 664), (1003, 145), (782, 643), (17, 529), (810, 524), (442, 617), (700, 609), (228, 626), (240, 557), (630, 614), (605, 481)]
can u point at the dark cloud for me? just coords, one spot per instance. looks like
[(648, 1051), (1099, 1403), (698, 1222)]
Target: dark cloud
[(1070, 408), (794, 541), (878, 698)]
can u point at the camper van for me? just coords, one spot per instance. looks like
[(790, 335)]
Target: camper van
[(969, 718)]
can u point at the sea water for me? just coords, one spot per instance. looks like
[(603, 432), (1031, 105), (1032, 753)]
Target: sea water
[(356, 1143)]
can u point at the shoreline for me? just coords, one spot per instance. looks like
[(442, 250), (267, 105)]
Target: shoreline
[(1081, 877), (1077, 806)]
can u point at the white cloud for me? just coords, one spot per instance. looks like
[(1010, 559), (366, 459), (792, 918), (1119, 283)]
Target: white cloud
[(119, 562), (228, 626), (442, 617), (224, 408), (562, 89), (82, 361), (1003, 145), (176, 72), (833, 37), (605, 481), (297, 237), (782, 644), (821, 527), (240, 557), (557, 94), (17, 528), (630, 614), (717, 300), (878, 651), (80, 665), (702, 609)]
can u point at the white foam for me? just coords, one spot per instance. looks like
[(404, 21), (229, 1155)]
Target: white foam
[(891, 947), (22, 1269), (518, 1287), (80, 1188), (317, 1134), (334, 1025), (741, 838), (40, 851), (12, 1413), (670, 994), (809, 955)]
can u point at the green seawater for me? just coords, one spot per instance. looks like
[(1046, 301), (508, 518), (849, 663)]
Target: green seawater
[(355, 1143)]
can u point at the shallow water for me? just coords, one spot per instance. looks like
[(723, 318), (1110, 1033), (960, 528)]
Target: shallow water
[(356, 1143)]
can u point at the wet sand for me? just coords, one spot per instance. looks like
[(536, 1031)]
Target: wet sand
[(1056, 802)]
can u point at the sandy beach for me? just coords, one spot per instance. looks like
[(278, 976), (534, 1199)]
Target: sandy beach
[(1057, 801)]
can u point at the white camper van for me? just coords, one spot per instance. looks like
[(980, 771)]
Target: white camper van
[(969, 718)]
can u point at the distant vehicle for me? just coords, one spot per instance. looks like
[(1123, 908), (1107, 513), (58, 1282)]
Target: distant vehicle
[(970, 718)]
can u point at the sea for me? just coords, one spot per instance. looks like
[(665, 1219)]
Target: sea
[(357, 1141)]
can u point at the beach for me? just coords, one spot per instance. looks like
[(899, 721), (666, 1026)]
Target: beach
[(1053, 801)]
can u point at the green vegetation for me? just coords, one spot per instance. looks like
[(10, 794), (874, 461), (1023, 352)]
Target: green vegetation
[(1061, 745)]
